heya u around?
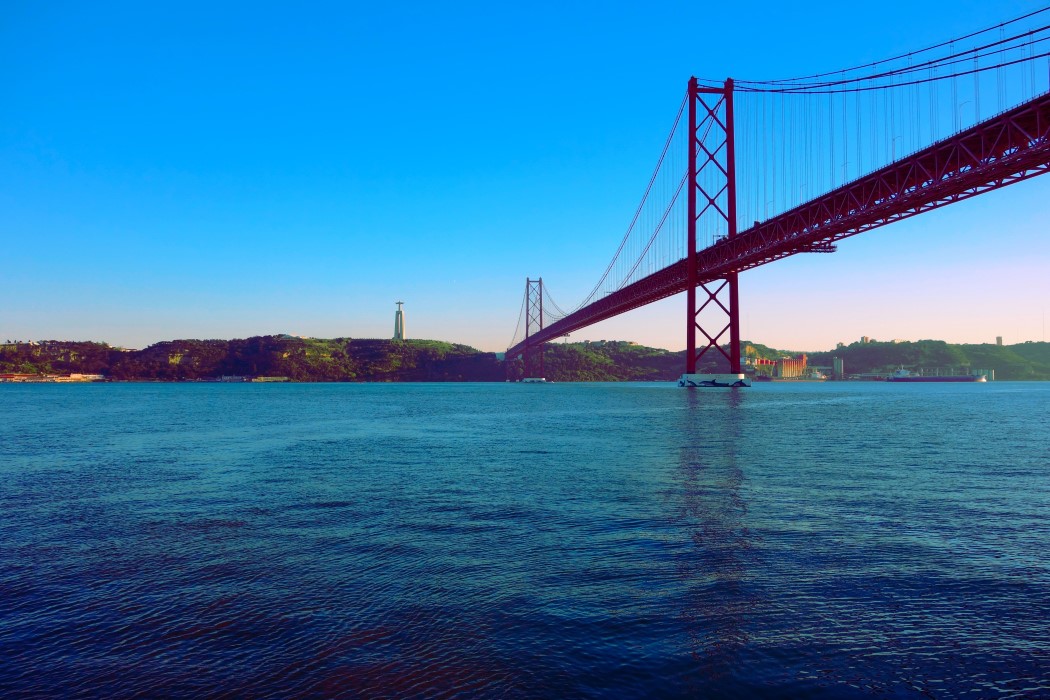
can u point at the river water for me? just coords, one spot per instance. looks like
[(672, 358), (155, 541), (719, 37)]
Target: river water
[(504, 540)]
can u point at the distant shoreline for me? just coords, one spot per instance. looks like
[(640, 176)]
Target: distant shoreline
[(261, 359)]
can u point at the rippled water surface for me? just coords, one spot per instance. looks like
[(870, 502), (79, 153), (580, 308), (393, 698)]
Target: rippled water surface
[(578, 540)]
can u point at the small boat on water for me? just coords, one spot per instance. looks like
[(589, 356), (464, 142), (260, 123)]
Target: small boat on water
[(906, 376)]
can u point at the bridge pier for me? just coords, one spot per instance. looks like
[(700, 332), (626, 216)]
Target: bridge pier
[(727, 381), (713, 178)]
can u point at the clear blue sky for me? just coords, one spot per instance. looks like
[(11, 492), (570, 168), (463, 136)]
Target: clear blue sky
[(178, 170)]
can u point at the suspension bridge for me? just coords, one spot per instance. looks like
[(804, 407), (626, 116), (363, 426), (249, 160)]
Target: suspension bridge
[(755, 171)]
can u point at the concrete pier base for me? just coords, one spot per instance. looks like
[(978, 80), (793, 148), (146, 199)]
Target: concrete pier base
[(714, 380)]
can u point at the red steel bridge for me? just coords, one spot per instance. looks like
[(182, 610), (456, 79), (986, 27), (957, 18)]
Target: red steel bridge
[(878, 143)]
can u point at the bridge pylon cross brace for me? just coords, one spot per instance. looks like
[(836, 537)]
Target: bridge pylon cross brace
[(715, 303)]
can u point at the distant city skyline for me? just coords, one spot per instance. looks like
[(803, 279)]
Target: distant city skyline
[(226, 171)]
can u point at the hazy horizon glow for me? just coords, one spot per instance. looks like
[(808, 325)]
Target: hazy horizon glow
[(222, 172)]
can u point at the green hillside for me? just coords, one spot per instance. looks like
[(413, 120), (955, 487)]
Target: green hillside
[(349, 359), (57, 357), (298, 359), (1025, 361), (605, 361)]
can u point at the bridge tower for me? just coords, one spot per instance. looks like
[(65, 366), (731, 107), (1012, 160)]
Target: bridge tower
[(533, 353), (712, 181)]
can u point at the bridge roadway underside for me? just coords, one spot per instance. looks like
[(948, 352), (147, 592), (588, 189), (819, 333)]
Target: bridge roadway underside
[(1007, 148)]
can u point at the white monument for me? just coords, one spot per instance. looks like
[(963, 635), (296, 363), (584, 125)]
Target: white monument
[(399, 322)]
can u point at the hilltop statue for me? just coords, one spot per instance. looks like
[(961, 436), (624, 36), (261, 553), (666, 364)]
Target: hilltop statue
[(399, 322)]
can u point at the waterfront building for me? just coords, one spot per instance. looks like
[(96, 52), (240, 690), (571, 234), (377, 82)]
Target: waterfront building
[(792, 367)]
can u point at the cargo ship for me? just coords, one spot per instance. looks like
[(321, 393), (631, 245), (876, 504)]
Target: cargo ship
[(903, 375)]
